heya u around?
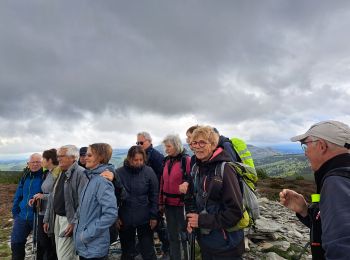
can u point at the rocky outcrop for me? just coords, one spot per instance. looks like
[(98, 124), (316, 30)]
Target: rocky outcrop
[(277, 234)]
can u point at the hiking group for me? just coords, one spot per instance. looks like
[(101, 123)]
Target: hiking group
[(77, 203)]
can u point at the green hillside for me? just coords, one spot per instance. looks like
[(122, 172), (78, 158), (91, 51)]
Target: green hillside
[(283, 165)]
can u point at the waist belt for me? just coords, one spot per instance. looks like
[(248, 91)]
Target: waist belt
[(172, 195)]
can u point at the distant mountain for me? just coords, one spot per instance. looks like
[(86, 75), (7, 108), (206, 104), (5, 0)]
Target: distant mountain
[(258, 152), (290, 148), (276, 160), (12, 165)]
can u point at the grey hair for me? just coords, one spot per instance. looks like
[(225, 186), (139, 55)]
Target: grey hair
[(175, 141), (146, 135), (33, 155), (71, 150)]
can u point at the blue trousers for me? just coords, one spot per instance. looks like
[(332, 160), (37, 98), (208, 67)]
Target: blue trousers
[(20, 231)]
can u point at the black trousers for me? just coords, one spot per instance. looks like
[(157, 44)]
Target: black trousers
[(128, 240), (96, 258), (46, 245)]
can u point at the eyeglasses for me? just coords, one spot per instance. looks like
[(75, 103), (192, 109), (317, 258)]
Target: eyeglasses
[(141, 143), (200, 143), (33, 162), (304, 144)]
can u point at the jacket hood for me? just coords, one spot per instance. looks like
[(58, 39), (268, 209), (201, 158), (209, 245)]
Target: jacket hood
[(132, 169), (219, 155), (101, 168)]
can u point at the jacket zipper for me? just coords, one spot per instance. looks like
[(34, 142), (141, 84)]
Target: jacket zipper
[(30, 185)]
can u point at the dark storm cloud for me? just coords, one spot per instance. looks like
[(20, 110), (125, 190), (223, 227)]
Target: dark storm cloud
[(63, 60)]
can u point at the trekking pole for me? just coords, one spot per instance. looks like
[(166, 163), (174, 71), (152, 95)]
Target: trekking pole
[(193, 245), (303, 251), (36, 209)]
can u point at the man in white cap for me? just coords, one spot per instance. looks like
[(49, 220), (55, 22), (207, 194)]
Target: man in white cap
[(326, 145)]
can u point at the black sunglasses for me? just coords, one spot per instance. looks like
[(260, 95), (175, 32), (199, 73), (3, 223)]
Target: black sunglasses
[(139, 143)]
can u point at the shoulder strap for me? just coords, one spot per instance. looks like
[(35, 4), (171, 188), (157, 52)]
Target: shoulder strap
[(184, 165), (239, 177)]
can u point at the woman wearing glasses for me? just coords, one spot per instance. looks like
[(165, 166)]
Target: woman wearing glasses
[(218, 199)]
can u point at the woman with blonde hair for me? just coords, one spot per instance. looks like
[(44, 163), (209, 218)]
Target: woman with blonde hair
[(218, 199)]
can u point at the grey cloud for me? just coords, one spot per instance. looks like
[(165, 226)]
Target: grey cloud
[(65, 60)]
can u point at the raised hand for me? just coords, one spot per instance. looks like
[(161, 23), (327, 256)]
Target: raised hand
[(293, 201)]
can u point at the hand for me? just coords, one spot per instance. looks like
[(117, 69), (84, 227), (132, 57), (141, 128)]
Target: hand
[(69, 230), (293, 201), (192, 221), (119, 223), (46, 227), (38, 196), (189, 228), (183, 188), (31, 202), (108, 175), (161, 209), (153, 223)]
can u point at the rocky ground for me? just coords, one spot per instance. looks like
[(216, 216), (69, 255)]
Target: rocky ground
[(277, 234)]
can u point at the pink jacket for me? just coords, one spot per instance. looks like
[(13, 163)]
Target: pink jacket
[(169, 183)]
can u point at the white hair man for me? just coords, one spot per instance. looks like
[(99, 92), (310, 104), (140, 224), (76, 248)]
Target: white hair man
[(326, 145), (23, 215), (64, 201)]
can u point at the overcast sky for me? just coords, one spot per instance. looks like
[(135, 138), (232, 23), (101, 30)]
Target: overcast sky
[(100, 71)]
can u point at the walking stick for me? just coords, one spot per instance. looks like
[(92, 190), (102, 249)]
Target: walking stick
[(193, 245), (36, 209)]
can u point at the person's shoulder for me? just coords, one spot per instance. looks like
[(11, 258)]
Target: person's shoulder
[(337, 180), (156, 153), (338, 186), (120, 169), (148, 170), (80, 170)]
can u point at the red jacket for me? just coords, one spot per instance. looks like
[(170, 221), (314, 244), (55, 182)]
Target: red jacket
[(170, 181)]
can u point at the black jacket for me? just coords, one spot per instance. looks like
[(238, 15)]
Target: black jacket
[(141, 200), (155, 161)]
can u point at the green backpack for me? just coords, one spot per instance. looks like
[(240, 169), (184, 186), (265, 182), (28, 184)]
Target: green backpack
[(241, 149), (247, 177)]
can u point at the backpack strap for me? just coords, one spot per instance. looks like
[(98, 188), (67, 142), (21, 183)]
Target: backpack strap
[(184, 165), (233, 165)]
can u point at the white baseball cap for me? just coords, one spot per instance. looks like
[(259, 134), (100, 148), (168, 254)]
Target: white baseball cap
[(333, 131)]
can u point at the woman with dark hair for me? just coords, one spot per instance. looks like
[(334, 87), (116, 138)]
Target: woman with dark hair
[(97, 207), (138, 211), (46, 242)]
